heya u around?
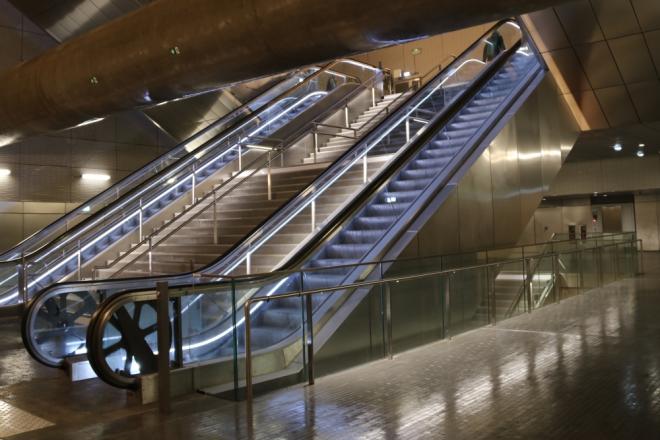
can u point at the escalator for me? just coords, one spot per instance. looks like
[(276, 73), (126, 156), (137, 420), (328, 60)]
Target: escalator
[(364, 208), (263, 172), (112, 222)]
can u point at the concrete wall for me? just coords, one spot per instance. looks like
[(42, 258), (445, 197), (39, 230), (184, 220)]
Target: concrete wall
[(46, 171)]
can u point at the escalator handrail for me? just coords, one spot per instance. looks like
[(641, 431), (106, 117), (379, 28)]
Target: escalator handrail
[(279, 149), (367, 190), (45, 231), (177, 164), (346, 154)]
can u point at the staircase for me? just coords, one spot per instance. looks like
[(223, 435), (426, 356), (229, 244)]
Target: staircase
[(345, 138)]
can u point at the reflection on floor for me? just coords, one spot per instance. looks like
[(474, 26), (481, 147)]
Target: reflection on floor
[(588, 368)]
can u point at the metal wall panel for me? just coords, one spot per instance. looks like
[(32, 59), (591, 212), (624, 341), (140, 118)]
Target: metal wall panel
[(579, 21), (647, 223), (475, 205), (617, 105), (616, 17), (599, 65), (505, 177), (646, 97), (633, 59), (648, 13)]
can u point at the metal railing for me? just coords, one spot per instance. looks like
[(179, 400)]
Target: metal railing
[(264, 163), (308, 327)]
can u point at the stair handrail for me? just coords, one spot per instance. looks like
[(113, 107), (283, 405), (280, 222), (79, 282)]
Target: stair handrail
[(279, 149)]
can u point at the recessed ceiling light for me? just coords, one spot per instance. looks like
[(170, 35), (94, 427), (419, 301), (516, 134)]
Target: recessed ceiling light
[(640, 153), (4, 172), (642, 145), (96, 177), (617, 147)]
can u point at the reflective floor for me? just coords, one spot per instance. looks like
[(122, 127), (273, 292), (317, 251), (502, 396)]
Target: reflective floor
[(588, 368)]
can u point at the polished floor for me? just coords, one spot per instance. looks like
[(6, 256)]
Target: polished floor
[(588, 368)]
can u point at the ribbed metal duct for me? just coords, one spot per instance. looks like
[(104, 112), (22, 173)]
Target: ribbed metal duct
[(171, 48)]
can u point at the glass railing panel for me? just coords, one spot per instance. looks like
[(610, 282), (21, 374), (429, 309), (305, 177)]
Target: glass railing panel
[(508, 281), (589, 277), (417, 311), (469, 300), (541, 281), (569, 274), (359, 339)]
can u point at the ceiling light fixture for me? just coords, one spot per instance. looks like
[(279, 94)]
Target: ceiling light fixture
[(640, 153), (642, 145), (617, 147), (4, 172), (96, 177)]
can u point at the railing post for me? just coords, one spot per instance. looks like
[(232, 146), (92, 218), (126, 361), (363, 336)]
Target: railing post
[(269, 179), (526, 289), (194, 184), (407, 130), (215, 217), (557, 277), (248, 263), (178, 333), (313, 213), (641, 257), (79, 262), (364, 169), (310, 339), (373, 96), (248, 354), (240, 158), (22, 280), (141, 216), (447, 303), (388, 320), (163, 324), (150, 258), (490, 292), (316, 145), (580, 279), (234, 336), (616, 262), (601, 275), (346, 120)]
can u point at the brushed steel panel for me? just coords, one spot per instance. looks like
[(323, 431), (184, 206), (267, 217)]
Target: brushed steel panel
[(550, 35), (592, 110), (94, 154), (617, 106), (9, 16), (616, 17), (598, 64), (505, 178), (648, 13), (44, 208), (653, 41), (11, 226), (579, 21), (633, 59), (10, 47), (576, 215), (611, 218), (573, 77), (475, 206), (548, 221), (647, 224), (45, 183), (46, 150), (646, 98), (34, 222), (441, 234)]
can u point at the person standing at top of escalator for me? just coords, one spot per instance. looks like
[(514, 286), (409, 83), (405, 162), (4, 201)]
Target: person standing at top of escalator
[(494, 46)]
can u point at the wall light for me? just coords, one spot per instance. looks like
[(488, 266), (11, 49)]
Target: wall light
[(642, 145), (4, 172), (640, 153), (95, 177), (617, 147)]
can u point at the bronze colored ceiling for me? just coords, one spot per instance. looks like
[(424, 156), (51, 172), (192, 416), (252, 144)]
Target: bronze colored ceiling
[(172, 48), (64, 19), (607, 53)]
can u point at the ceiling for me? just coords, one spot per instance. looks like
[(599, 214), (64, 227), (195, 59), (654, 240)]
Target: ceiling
[(64, 19), (598, 144), (607, 54)]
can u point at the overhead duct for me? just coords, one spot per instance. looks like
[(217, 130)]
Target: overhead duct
[(169, 49)]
